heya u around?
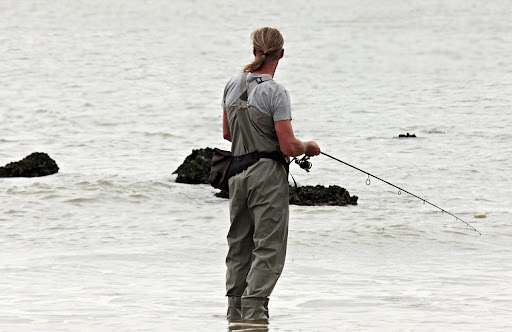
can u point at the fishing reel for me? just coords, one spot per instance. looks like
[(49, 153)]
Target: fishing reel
[(304, 163)]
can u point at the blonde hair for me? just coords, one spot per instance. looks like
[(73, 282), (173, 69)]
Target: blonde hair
[(268, 42)]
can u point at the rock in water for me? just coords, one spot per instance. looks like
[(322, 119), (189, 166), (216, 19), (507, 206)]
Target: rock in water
[(33, 165), (320, 195), (196, 167), (406, 135)]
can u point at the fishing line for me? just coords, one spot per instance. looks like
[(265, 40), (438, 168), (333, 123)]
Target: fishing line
[(400, 190)]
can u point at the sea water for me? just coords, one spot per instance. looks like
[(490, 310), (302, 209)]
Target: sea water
[(120, 92)]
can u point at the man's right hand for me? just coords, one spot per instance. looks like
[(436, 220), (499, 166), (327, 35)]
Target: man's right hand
[(312, 149)]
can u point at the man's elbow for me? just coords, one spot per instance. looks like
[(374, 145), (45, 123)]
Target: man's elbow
[(227, 136)]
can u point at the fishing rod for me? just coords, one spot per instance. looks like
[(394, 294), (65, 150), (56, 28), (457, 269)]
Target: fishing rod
[(306, 164)]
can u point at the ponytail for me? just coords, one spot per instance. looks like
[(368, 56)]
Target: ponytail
[(268, 42)]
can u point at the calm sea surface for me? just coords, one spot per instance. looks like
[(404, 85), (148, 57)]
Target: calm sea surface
[(120, 92)]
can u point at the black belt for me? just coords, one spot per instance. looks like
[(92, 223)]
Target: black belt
[(241, 163)]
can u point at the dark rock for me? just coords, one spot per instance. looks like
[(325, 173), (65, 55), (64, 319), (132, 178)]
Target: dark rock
[(33, 165), (196, 170), (320, 195), (196, 167), (406, 135)]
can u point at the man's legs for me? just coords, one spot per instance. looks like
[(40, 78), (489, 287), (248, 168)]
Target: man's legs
[(241, 245), (268, 203)]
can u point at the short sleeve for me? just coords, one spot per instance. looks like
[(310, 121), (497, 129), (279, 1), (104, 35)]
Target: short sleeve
[(282, 106)]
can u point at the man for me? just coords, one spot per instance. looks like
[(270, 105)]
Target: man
[(257, 121)]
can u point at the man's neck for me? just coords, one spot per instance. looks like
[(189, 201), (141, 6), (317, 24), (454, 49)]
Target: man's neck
[(268, 68)]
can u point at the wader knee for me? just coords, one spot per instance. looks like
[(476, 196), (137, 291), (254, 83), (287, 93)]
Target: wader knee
[(234, 308), (255, 309)]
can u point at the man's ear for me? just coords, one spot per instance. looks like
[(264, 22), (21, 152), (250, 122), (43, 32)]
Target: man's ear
[(254, 50), (282, 54)]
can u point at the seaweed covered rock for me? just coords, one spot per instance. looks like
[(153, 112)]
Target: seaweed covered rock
[(196, 170), (320, 195), (33, 165), (196, 167)]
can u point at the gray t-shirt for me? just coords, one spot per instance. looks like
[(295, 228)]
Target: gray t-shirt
[(269, 97)]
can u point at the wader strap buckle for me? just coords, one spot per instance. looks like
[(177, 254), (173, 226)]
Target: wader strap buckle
[(244, 91)]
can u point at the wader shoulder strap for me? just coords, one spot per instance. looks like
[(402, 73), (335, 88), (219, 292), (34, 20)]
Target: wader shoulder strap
[(244, 91)]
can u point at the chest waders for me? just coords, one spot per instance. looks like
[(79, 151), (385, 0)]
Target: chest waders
[(259, 200)]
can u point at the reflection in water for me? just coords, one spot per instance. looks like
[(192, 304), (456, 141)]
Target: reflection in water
[(247, 327)]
